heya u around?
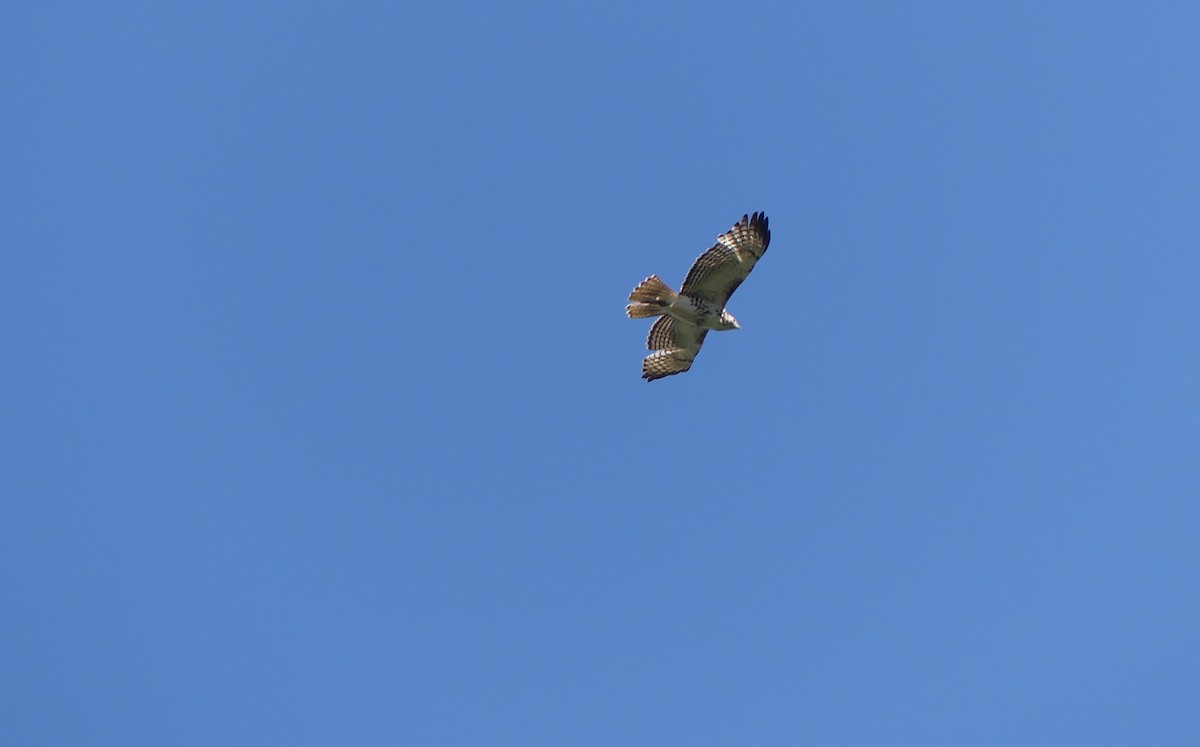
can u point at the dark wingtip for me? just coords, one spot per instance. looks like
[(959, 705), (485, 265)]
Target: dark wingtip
[(760, 221)]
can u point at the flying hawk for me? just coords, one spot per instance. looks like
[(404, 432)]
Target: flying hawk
[(684, 318)]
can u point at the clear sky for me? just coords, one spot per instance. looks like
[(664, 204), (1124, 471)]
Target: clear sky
[(322, 419)]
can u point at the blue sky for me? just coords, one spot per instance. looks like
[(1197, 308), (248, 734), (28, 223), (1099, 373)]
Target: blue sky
[(324, 425)]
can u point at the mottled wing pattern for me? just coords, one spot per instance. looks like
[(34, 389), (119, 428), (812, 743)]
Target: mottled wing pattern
[(669, 333), (675, 344), (719, 271)]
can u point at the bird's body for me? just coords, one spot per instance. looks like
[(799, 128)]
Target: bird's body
[(653, 297), (684, 318)]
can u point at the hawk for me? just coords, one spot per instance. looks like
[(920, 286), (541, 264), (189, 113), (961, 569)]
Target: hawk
[(684, 318)]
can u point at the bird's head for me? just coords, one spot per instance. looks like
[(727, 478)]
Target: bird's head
[(728, 321)]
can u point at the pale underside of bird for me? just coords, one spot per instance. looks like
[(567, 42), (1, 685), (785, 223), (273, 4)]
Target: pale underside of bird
[(684, 318)]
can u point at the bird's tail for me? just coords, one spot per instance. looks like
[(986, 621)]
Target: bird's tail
[(650, 298)]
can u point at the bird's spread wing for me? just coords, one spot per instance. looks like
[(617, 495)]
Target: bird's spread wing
[(719, 271), (675, 344)]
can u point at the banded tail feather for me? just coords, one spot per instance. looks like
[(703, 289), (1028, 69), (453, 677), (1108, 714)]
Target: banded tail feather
[(650, 298)]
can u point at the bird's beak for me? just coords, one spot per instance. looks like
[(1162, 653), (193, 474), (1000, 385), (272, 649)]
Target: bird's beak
[(736, 325)]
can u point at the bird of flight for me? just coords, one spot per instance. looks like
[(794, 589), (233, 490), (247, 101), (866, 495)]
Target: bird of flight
[(684, 318)]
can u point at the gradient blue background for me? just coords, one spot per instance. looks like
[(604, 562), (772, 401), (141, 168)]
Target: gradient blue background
[(322, 421)]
